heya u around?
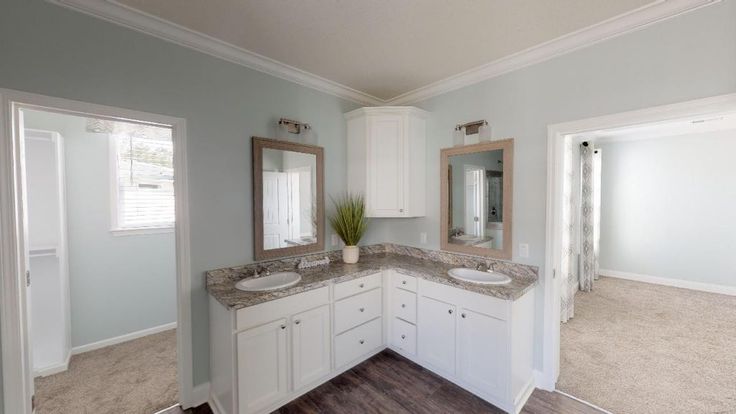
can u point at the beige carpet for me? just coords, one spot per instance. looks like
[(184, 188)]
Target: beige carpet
[(136, 377), (637, 348)]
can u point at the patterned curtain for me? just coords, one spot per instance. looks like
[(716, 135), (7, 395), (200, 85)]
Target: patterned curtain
[(589, 216), (568, 268)]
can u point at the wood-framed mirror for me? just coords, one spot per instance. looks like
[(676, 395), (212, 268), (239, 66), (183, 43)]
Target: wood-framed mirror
[(288, 198), (477, 198)]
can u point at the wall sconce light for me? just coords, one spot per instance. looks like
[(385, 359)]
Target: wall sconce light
[(476, 127), (286, 127)]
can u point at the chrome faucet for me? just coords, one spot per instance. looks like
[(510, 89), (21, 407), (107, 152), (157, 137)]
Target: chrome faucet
[(482, 267), (261, 269)]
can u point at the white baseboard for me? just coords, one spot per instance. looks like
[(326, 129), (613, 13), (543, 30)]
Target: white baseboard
[(123, 338), (602, 410), (200, 395), (678, 283), (542, 382), (215, 406), (54, 368)]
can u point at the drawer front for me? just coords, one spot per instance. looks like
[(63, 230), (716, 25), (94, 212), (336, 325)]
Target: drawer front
[(355, 310), (281, 308), (404, 336), (405, 305), (358, 341), (352, 287), (403, 281)]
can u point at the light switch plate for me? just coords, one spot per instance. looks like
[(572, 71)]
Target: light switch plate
[(334, 240), (523, 250), (423, 237)]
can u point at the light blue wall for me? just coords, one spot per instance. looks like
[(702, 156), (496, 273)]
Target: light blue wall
[(688, 57), (106, 272), (54, 51), (667, 207)]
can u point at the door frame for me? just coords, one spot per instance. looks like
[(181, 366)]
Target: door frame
[(711, 106), (17, 370)]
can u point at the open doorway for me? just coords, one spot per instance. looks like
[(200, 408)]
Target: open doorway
[(99, 320), (645, 283)]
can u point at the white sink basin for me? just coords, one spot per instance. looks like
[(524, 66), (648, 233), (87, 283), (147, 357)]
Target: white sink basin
[(476, 276), (273, 281)]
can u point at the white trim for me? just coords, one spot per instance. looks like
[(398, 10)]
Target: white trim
[(619, 25), (115, 12), (149, 24), (53, 369), (215, 405), (572, 397), (122, 338), (13, 325), (665, 281), (200, 394), (712, 106), (141, 231)]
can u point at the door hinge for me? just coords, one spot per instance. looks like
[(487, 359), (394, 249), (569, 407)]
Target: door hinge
[(28, 278), (554, 273)]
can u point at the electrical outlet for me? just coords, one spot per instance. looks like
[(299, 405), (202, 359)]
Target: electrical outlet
[(334, 240), (523, 250), (423, 238)]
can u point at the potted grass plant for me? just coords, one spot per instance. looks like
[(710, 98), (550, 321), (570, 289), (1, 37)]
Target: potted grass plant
[(349, 223)]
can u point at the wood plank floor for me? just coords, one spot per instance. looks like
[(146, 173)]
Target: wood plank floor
[(390, 383)]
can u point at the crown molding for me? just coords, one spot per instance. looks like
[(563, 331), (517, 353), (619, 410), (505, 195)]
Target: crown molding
[(619, 25), (115, 12)]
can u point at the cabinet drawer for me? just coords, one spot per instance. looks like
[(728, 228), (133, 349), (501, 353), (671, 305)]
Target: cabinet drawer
[(358, 341), (268, 311), (355, 310), (404, 282), (405, 305), (404, 336), (352, 287)]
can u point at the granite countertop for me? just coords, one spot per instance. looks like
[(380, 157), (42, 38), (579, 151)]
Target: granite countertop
[(221, 282)]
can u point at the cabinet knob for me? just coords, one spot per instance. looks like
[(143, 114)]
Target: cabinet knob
[(361, 285), (401, 210), (449, 311), (361, 341), (297, 321), (403, 336), (362, 309), (283, 326), (403, 282), (403, 305), (463, 315)]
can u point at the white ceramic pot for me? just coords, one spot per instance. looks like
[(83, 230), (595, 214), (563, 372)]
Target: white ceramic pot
[(350, 254)]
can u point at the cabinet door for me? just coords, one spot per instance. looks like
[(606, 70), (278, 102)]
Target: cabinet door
[(262, 369), (386, 164), (482, 352), (436, 328), (311, 346)]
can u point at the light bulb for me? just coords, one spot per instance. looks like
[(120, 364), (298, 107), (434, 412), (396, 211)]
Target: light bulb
[(282, 131), (484, 132), (458, 137), (308, 135)]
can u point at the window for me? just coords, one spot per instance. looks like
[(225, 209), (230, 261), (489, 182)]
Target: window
[(143, 178)]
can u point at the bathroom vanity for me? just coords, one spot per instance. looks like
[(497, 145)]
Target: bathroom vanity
[(270, 347)]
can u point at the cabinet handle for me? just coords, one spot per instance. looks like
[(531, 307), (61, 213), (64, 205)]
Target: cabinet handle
[(449, 311), (361, 342), (361, 285), (403, 282), (283, 326), (403, 306), (463, 315), (403, 336), (297, 321), (362, 309)]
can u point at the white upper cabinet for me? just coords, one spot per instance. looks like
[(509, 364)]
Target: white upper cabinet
[(387, 159)]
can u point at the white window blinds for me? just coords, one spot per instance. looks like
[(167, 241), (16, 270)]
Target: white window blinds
[(145, 178)]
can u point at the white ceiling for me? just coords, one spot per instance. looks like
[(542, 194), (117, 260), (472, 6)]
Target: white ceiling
[(385, 48)]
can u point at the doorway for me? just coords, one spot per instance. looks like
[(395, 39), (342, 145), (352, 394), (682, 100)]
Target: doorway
[(139, 202)]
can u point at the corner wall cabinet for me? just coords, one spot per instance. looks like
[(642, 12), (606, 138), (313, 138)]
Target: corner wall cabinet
[(263, 356), (387, 159)]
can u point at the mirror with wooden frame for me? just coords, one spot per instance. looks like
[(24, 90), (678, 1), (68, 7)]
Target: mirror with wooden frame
[(476, 192), (288, 198)]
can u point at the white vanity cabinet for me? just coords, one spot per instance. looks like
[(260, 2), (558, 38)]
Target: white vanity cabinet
[(387, 160)]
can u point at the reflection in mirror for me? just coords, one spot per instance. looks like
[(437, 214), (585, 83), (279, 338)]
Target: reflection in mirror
[(476, 189), (476, 198), (289, 199)]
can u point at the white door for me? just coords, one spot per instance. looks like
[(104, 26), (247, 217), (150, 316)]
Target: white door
[(481, 352), (386, 173), (275, 210), (311, 346), (262, 369), (436, 326)]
